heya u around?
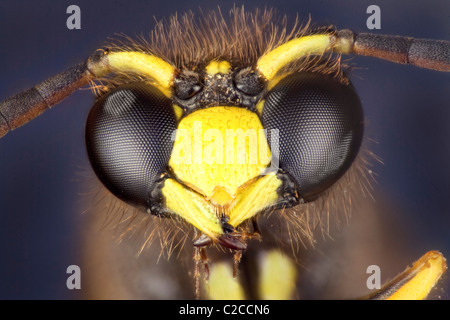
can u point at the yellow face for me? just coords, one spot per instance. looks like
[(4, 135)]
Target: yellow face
[(219, 163), (220, 154)]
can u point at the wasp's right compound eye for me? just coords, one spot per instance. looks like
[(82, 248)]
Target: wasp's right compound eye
[(128, 138)]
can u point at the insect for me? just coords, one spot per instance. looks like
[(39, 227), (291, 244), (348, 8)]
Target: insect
[(223, 83)]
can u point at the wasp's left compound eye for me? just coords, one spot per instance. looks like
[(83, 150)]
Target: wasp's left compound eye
[(319, 122), (128, 138)]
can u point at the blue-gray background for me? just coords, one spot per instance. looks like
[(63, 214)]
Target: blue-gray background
[(407, 110)]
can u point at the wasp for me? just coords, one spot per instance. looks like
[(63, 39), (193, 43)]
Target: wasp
[(219, 146)]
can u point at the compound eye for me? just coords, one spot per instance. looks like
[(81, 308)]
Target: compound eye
[(318, 123), (128, 138)]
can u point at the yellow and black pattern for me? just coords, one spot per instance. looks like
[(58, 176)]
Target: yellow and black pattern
[(235, 145)]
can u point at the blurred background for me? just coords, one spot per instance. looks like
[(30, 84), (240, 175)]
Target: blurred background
[(42, 164)]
